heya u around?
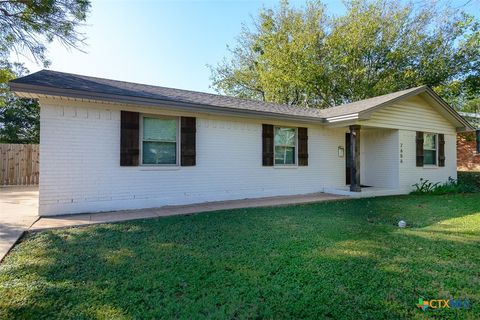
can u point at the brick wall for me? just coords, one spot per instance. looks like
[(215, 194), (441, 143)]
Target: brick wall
[(80, 162), (468, 158)]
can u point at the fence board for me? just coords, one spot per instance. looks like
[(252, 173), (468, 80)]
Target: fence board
[(19, 164)]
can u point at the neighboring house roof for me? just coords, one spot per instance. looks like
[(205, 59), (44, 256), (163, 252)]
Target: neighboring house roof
[(53, 83), (472, 118)]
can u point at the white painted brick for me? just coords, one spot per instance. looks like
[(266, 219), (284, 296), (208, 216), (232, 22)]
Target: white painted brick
[(80, 156), (80, 171)]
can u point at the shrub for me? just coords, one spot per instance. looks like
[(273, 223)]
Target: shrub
[(471, 178), (460, 185), (424, 186)]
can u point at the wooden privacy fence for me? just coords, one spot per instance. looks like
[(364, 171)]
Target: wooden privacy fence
[(18, 164)]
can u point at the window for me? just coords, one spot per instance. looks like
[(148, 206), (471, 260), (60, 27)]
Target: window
[(430, 149), (285, 141), (159, 141)]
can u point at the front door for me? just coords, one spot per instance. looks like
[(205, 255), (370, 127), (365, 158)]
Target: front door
[(347, 158)]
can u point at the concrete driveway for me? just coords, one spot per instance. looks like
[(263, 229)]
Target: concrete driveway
[(18, 211)]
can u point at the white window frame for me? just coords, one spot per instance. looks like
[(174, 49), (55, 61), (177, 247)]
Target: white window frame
[(296, 148), (436, 150), (177, 146)]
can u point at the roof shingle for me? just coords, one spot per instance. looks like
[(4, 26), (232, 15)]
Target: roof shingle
[(68, 81), (366, 104), (78, 86)]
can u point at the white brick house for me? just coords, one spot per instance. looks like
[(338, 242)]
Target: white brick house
[(110, 145)]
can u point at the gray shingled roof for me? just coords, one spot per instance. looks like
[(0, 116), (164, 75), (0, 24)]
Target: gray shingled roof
[(367, 104), (55, 83), (67, 81)]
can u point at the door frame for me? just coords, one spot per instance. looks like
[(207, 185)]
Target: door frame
[(348, 172)]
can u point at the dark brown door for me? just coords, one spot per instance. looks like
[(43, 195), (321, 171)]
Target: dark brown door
[(347, 158)]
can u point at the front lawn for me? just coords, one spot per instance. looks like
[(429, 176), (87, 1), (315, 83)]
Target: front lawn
[(339, 260)]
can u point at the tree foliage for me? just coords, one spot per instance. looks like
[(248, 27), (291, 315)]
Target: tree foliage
[(19, 117), (306, 57), (26, 26)]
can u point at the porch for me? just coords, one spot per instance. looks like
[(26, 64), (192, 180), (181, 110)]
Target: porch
[(365, 191), (372, 160)]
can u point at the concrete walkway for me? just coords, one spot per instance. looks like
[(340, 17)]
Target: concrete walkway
[(116, 216), (18, 211)]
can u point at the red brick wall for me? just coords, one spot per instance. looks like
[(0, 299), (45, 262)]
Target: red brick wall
[(467, 157)]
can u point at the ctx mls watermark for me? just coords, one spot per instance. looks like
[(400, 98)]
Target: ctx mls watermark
[(443, 304)]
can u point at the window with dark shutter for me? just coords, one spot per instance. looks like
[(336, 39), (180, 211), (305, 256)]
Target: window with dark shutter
[(188, 141), (419, 148), (267, 144), (129, 138), (302, 146), (159, 140), (441, 150), (430, 149)]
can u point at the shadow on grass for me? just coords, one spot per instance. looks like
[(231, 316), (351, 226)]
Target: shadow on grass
[(339, 260)]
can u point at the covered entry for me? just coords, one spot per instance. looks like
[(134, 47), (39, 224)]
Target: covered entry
[(372, 158)]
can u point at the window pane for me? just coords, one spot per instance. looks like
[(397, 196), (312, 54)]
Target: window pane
[(284, 155), (429, 141), (430, 157), (285, 137), (160, 129), (159, 152)]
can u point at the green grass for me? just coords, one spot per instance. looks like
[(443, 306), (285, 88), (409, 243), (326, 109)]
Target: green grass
[(338, 260)]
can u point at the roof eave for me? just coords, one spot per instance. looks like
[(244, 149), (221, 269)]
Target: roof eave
[(342, 118), (20, 88)]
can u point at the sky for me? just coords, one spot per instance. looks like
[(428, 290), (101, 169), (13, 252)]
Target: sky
[(165, 43)]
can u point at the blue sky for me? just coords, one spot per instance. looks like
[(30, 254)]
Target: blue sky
[(167, 43)]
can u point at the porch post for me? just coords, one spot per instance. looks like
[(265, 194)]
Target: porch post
[(355, 158)]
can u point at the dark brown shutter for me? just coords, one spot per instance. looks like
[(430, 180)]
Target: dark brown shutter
[(267, 144), (129, 138), (441, 150), (302, 146), (188, 134), (419, 149)]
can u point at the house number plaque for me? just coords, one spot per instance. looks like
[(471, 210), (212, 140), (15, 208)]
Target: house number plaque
[(401, 152)]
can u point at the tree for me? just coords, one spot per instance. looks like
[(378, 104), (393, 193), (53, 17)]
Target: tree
[(20, 121), (19, 117), (26, 26), (305, 57), (279, 61)]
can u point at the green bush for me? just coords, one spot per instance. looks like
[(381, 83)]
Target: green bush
[(461, 185), (471, 178)]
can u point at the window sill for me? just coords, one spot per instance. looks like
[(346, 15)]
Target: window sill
[(285, 167), (430, 166), (158, 168)]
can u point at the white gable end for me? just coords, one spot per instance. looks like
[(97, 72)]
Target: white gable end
[(414, 114)]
